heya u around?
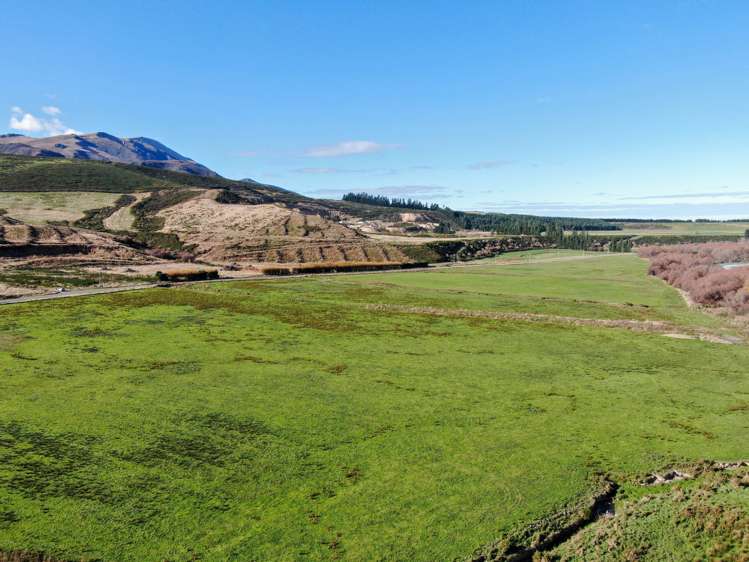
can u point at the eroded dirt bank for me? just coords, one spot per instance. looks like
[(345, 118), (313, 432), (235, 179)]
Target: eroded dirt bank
[(591, 529)]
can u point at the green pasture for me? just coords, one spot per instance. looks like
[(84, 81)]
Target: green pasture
[(338, 418), (41, 207), (680, 228)]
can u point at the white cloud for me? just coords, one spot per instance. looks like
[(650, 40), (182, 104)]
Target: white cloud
[(26, 122), (374, 171), (29, 123), (696, 196), (346, 148), (673, 210)]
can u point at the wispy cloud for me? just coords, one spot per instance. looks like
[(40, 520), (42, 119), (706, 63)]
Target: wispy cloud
[(490, 164), (370, 171), (674, 210), (423, 191), (373, 171), (711, 194), (347, 148), (29, 123)]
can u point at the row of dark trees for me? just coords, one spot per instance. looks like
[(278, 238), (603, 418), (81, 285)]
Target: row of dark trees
[(525, 224), (575, 241), (584, 241), (384, 201)]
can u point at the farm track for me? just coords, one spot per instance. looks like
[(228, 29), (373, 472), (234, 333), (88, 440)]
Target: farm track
[(140, 287), (652, 326)]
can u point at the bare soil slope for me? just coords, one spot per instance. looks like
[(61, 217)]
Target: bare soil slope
[(21, 240), (224, 233)]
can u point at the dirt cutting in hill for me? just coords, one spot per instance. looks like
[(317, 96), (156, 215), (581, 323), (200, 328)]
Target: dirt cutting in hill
[(224, 233), (123, 218)]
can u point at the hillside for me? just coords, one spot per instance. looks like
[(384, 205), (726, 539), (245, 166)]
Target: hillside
[(237, 227), (33, 174), (104, 147), (175, 215)]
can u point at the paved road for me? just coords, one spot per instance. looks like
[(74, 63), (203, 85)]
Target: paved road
[(106, 290)]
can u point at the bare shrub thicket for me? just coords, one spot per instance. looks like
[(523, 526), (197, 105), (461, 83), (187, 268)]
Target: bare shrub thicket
[(696, 269), (337, 267)]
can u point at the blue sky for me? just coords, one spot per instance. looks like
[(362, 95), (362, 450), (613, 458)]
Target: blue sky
[(550, 107)]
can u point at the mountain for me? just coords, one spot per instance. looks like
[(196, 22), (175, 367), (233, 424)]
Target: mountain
[(104, 147)]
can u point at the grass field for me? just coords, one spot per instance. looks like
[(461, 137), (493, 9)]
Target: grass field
[(680, 228), (365, 417), (39, 208)]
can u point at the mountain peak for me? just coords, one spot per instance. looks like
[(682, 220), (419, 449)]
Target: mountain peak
[(104, 146)]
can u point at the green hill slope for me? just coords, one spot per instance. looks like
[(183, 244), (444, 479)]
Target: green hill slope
[(25, 173)]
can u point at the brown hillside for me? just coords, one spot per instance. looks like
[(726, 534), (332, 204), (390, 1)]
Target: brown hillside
[(224, 233)]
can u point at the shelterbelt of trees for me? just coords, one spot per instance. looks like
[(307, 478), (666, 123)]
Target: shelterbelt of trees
[(384, 201), (527, 224)]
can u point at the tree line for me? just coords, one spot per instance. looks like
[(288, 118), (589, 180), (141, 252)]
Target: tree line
[(384, 201), (526, 224)]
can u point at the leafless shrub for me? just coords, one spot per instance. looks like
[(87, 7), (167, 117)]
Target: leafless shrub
[(337, 267), (696, 269)]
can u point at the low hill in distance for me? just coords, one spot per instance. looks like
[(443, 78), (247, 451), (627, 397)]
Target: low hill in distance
[(23, 174), (104, 147), (241, 225)]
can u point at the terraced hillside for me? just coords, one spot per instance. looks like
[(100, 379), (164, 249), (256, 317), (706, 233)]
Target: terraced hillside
[(20, 240), (472, 412), (266, 233), (210, 218)]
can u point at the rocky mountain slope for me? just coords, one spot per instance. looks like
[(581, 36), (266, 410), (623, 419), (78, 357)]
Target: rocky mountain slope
[(104, 147)]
